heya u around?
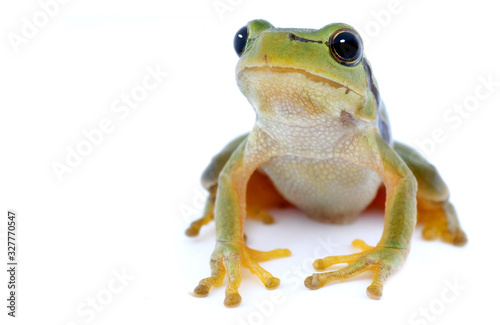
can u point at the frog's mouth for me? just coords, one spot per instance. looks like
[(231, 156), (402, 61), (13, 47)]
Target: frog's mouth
[(296, 96), (307, 74)]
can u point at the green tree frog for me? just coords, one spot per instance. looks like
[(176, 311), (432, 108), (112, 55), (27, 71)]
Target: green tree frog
[(321, 143)]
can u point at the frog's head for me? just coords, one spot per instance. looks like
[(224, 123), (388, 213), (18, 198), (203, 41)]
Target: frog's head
[(302, 76)]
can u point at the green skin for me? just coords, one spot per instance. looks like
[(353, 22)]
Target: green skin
[(299, 91)]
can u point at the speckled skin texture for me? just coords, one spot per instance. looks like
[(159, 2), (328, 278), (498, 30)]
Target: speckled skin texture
[(330, 190), (322, 143), (316, 164)]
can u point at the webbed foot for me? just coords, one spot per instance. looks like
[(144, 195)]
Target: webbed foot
[(440, 221), (229, 257), (382, 260)]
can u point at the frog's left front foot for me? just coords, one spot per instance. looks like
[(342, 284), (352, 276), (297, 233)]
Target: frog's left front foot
[(383, 260)]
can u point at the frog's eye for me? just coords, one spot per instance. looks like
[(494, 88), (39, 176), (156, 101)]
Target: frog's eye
[(346, 47), (240, 40)]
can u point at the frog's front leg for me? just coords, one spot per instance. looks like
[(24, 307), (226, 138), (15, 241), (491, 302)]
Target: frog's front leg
[(231, 251), (209, 181), (262, 195), (400, 218)]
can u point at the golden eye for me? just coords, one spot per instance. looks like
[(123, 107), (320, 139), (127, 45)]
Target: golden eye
[(346, 47)]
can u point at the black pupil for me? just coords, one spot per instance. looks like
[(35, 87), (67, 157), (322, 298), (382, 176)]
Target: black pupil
[(240, 40), (346, 45)]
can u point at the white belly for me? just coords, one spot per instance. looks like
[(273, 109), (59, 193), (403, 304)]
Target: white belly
[(331, 190)]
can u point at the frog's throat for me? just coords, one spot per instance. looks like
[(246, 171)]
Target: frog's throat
[(307, 74)]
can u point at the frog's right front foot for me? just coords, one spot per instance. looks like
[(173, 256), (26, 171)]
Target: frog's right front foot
[(229, 256)]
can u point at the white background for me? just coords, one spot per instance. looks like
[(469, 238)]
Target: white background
[(125, 207)]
